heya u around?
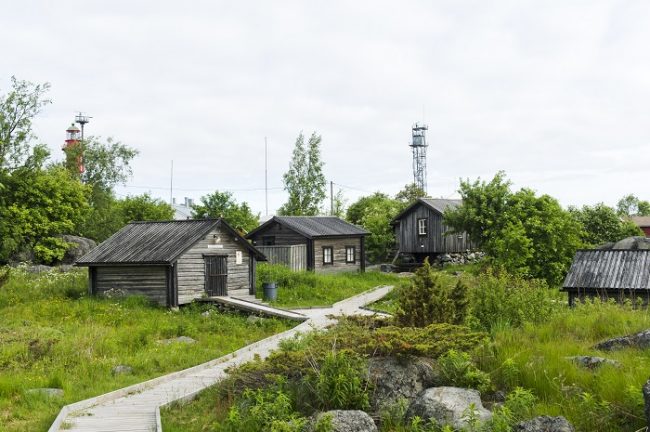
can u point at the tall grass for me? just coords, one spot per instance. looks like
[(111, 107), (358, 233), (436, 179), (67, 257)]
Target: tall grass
[(303, 289), (53, 335)]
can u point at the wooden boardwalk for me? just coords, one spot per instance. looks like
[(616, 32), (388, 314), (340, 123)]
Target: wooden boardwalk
[(135, 408)]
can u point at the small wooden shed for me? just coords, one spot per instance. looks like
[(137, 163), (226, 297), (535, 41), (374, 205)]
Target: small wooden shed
[(616, 273), (330, 244), (642, 222), (420, 230), (174, 262)]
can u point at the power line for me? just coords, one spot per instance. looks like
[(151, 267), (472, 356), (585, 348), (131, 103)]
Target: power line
[(203, 190)]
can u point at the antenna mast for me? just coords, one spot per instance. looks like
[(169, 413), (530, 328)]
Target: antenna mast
[(82, 119), (419, 146)]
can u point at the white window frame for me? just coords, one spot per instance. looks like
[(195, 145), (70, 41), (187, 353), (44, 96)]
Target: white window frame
[(328, 252), (349, 249), (423, 226)]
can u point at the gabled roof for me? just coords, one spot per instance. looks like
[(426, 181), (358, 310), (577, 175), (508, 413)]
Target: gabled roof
[(314, 226), (436, 204), (156, 242), (641, 221), (609, 269)]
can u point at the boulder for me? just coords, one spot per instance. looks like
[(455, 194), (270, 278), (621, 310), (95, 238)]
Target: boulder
[(591, 362), (639, 340), (394, 379), (122, 370), (254, 319), (346, 421), (646, 398), (80, 247), (47, 392), (179, 339), (544, 424), (447, 406)]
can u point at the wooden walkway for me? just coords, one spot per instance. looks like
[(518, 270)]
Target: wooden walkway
[(135, 408), (257, 308)]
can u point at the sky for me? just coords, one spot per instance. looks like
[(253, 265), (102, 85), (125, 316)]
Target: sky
[(554, 93)]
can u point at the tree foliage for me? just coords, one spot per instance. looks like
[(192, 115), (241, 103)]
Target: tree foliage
[(523, 233), (304, 181), (144, 208), (630, 205), (431, 299), (410, 193), (601, 224), (222, 204), (17, 109)]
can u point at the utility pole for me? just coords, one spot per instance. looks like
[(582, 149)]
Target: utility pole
[(331, 198), (266, 177), (171, 185)]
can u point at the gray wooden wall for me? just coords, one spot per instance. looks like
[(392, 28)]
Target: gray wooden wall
[(435, 241), (339, 264), (191, 266), (294, 257), (149, 281), (283, 236)]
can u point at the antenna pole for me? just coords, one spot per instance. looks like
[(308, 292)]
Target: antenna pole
[(331, 198), (266, 177), (171, 185)]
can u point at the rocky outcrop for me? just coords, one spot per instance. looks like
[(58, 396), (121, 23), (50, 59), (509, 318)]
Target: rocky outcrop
[(448, 406), (179, 339), (345, 421), (629, 243), (395, 379), (122, 370), (80, 246), (639, 340), (591, 362), (47, 392), (458, 258), (544, 424)]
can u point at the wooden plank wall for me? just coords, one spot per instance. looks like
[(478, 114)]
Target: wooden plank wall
[(191, 266), (283, 236), (339, 245), (294, 257), (149, 281), (435, 241)]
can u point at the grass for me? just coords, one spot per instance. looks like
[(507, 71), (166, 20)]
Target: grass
[(308, 289), (52, 335)]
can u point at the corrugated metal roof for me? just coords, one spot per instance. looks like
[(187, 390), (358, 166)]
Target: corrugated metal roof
[(155, 242), (614, 269), (315, 226)]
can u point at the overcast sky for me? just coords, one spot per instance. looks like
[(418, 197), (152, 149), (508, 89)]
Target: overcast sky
[(556, 93)]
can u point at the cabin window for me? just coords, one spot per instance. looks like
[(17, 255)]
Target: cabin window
[(328, 254), (268, 241), (350, 254), (422, 227), (238, 257)]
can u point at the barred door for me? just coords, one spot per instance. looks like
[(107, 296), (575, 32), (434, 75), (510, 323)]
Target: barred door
[(216, 275)]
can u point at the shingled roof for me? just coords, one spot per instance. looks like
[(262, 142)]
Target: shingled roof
[(437, 204), (314, 226), (157, 242), (609, 269)]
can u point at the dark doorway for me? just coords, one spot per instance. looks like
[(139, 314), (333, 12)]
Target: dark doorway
[(216, 275)]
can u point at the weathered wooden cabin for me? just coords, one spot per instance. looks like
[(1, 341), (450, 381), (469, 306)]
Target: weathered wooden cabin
[(642, 222), (421, 233), (174, 262), (609, 274), (330, 244)]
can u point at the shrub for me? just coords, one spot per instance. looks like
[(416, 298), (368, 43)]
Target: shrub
[(430, 298), (339, 382), (457, 368), (505, 299)]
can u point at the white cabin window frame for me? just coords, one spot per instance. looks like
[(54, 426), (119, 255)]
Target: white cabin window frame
[(350, 255), (328, 255), (423, 226)]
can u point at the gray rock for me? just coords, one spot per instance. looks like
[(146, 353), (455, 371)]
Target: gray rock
[(206, 313), (646, 398), (80, 247), (122, 370), (545, 424), (254, 319), (347, 421), (47, 392), (179, 339), (395, 379), (445, 258), (447, 406), (591, 362), (639, 340)]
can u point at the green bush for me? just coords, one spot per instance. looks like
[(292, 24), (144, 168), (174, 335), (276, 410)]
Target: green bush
[(458, 370), (431, 298), (502, 299), (339, 382)]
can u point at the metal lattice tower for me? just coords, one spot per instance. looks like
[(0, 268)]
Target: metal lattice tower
[(419, 146)]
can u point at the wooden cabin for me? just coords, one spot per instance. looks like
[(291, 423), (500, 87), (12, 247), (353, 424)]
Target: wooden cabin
[(325, 244), (609, 274), (174, 262), (421, 233), (643, 222)]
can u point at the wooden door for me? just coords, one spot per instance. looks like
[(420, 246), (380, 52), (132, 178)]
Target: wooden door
[(216, 275)]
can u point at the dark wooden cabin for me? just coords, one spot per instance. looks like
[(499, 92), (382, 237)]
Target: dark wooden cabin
[(615, 273), (174, 262), (332, 244), (420, 231)]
